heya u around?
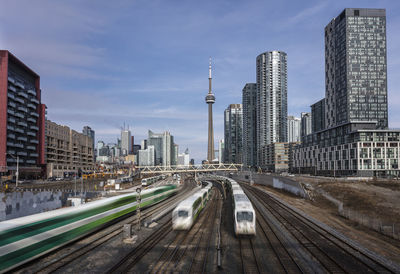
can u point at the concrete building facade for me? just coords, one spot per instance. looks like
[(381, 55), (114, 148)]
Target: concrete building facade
[(67, 151)]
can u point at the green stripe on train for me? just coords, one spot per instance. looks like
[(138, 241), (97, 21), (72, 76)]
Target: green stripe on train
[(21, 232), (25, 253)]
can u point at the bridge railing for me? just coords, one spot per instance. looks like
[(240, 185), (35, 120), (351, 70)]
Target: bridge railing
[(190, 168)]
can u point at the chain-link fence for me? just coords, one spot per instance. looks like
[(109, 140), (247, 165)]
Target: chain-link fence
[(391, 229)]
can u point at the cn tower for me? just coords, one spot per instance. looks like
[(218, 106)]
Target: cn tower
[(210, 100)]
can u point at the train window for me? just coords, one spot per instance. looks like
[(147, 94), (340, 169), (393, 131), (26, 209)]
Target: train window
[(243, 216), (183, 213)]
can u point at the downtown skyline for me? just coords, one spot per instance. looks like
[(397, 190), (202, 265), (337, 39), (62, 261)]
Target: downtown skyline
[(140, 64)]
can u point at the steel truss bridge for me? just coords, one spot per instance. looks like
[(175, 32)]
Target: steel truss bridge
[(191, 168)]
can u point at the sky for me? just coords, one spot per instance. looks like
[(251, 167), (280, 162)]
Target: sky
[(144, 63)]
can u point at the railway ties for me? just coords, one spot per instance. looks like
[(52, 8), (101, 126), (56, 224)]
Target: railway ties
[(187, 244), (248, 257), (333, 253)]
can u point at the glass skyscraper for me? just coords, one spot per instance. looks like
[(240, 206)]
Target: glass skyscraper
[(249, 124), (355, 65), (233, 128), (271, 101)]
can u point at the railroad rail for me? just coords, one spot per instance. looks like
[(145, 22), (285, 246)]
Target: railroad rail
[(77, 249), (172, 257), (333, 253)]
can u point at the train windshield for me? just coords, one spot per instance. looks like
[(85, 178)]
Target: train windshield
[(244, 216), (183, 214)]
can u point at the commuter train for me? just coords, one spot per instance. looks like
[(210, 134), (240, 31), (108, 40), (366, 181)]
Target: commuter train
[(244, 215), (26, 238), (152, 180), (187, 211)]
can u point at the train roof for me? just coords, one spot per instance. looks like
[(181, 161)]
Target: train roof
[(188, 202), (244, 206), (240, 198)]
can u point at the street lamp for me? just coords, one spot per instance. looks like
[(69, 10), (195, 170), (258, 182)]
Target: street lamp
[(17, 173)]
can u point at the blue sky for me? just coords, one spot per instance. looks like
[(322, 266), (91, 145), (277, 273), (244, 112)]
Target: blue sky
[(145, 63)]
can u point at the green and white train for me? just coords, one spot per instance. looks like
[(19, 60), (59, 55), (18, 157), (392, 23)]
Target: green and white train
[(26, 238), (187, 211)]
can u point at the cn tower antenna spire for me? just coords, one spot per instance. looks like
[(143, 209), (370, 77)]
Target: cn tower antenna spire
[(209, 70)]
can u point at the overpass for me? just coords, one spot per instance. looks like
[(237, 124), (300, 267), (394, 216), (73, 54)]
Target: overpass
[(190, 168)]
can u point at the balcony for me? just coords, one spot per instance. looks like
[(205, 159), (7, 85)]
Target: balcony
[(21, 138), (12, 88), (11, 136), (32, 120), (34, 141), (31, 147), (12, 152), (23, 94), (31, 162), (19, 145), (22, 153), (32, 106), (12, 104), (20, 115), (35, 100), (10, 128), (34, 127), (11, 160), (20, 130), (23, 124), (30, 133), (20, 100), (9, 111), (34, 114), (11, 79), (11, 120), (11, 144), (24, 109), (10, 95), (20, 85), (31, 92), (33, 154)]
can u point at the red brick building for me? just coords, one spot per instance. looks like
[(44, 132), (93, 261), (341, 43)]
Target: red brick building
[(22, 118)]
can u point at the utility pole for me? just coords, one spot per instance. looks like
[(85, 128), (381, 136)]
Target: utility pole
[(139, 190)]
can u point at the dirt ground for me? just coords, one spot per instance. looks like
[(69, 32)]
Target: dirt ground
[(375, 199)]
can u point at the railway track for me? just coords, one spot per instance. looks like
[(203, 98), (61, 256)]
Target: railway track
[(333, 253), (171, 260), (57, 260), (248, 256)]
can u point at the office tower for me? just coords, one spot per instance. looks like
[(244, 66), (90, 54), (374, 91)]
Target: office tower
[(87, 131), (126, 140), (306, 124), (210, 100), (22, 118), (183, 158), (164, 147), (221, 149), (155, 139), (271, 100), (143, 144), (233, 129), (249, 99), (355, 65), (132, 144), (294, 126), (147, 156), (318, 116)]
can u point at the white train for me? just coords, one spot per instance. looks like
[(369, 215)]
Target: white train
[(152, 180), (187, 211), (244, 215)]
